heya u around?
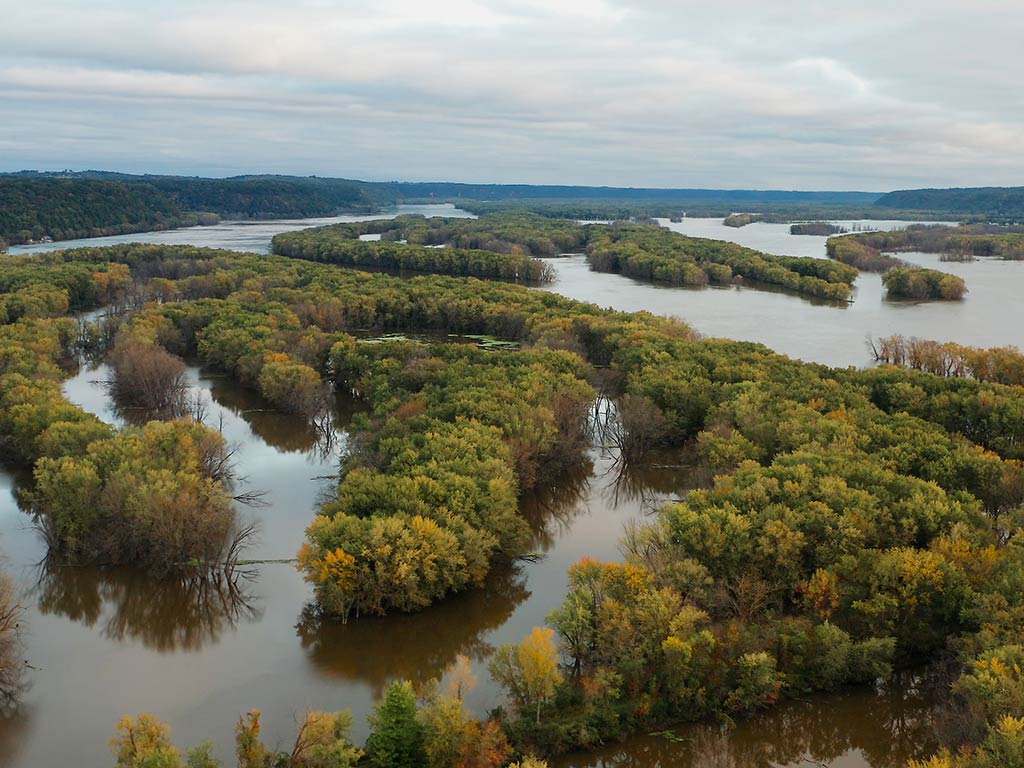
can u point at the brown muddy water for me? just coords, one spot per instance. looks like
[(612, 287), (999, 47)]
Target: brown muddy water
[(108, 642)]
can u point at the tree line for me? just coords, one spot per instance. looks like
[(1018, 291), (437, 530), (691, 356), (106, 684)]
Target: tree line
[(817, 228), (340, 244), (901, 280), (424, 728), (69, 206), (653, 253), (633, 249), (992, 203), (964, 242), (1002, 365)]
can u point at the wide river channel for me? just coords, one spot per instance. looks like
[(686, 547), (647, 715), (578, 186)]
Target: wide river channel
[(104, 643)]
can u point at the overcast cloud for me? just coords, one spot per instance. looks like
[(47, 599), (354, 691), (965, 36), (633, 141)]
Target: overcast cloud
[(845, 95)]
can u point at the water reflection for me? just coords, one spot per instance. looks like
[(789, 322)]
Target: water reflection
[(552, 508), (416, 647), (15, 731), (857, 729), (170, 613), (663, 476), (108, 639), (287, 432), (251, 236)]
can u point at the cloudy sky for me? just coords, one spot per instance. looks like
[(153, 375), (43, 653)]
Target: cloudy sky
[(805, 94)]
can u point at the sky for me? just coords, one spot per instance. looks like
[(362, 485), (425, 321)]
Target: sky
[(800, 94)]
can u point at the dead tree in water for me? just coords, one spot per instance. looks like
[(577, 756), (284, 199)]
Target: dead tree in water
[(149, 378)]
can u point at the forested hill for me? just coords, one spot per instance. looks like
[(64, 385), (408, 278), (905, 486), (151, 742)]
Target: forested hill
[(33, 208), (483, 192), (990, 202), (91, 204), (267, 196)]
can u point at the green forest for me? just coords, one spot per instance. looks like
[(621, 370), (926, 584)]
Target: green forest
[(62, 208), (70, 205), (858, 521), (991, 203), (636, 250)]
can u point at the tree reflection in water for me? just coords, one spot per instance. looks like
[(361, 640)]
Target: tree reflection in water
[(663, 476), (15, 730), (551, 509), (416, 646), (169, 613), (881, 729), (321, 439)]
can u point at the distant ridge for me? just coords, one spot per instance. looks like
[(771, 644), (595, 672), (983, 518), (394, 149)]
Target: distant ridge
[(993, 202), (70, 204), (398, 190)]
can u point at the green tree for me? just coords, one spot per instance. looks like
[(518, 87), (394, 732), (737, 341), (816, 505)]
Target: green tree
[(396, 736)]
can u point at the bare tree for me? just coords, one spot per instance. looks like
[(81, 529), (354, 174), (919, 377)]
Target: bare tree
[(149, 378), (635, 426)]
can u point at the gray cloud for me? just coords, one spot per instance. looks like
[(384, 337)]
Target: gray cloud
[(867, 95)]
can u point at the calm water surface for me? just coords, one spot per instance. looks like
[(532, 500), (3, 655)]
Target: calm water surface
[(990, 315), (107, 642), (856, 729), (251, 236), (110, 642)]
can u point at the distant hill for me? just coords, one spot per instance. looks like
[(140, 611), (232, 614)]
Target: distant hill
[(65, 205), (988, 202), (504, 192), (34, 208), (95, 203)]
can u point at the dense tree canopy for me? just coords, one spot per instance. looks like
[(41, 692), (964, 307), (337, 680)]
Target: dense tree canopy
[(63, 207), (424, 247), (858, 520), (919, 283), (637, 250), (157, 496), (991, 202), (956, 243)]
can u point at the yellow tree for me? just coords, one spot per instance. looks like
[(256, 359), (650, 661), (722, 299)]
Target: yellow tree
[(529, 671), (144, 742), (248, 746)]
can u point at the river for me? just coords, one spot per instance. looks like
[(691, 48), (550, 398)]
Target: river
[(108, 642), (252, 235), (835, 334), (826, 332)]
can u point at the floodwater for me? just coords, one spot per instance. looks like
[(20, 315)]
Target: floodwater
[(852, 729), (991, 314), (109, 642), (825, 332), (253, 236)]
